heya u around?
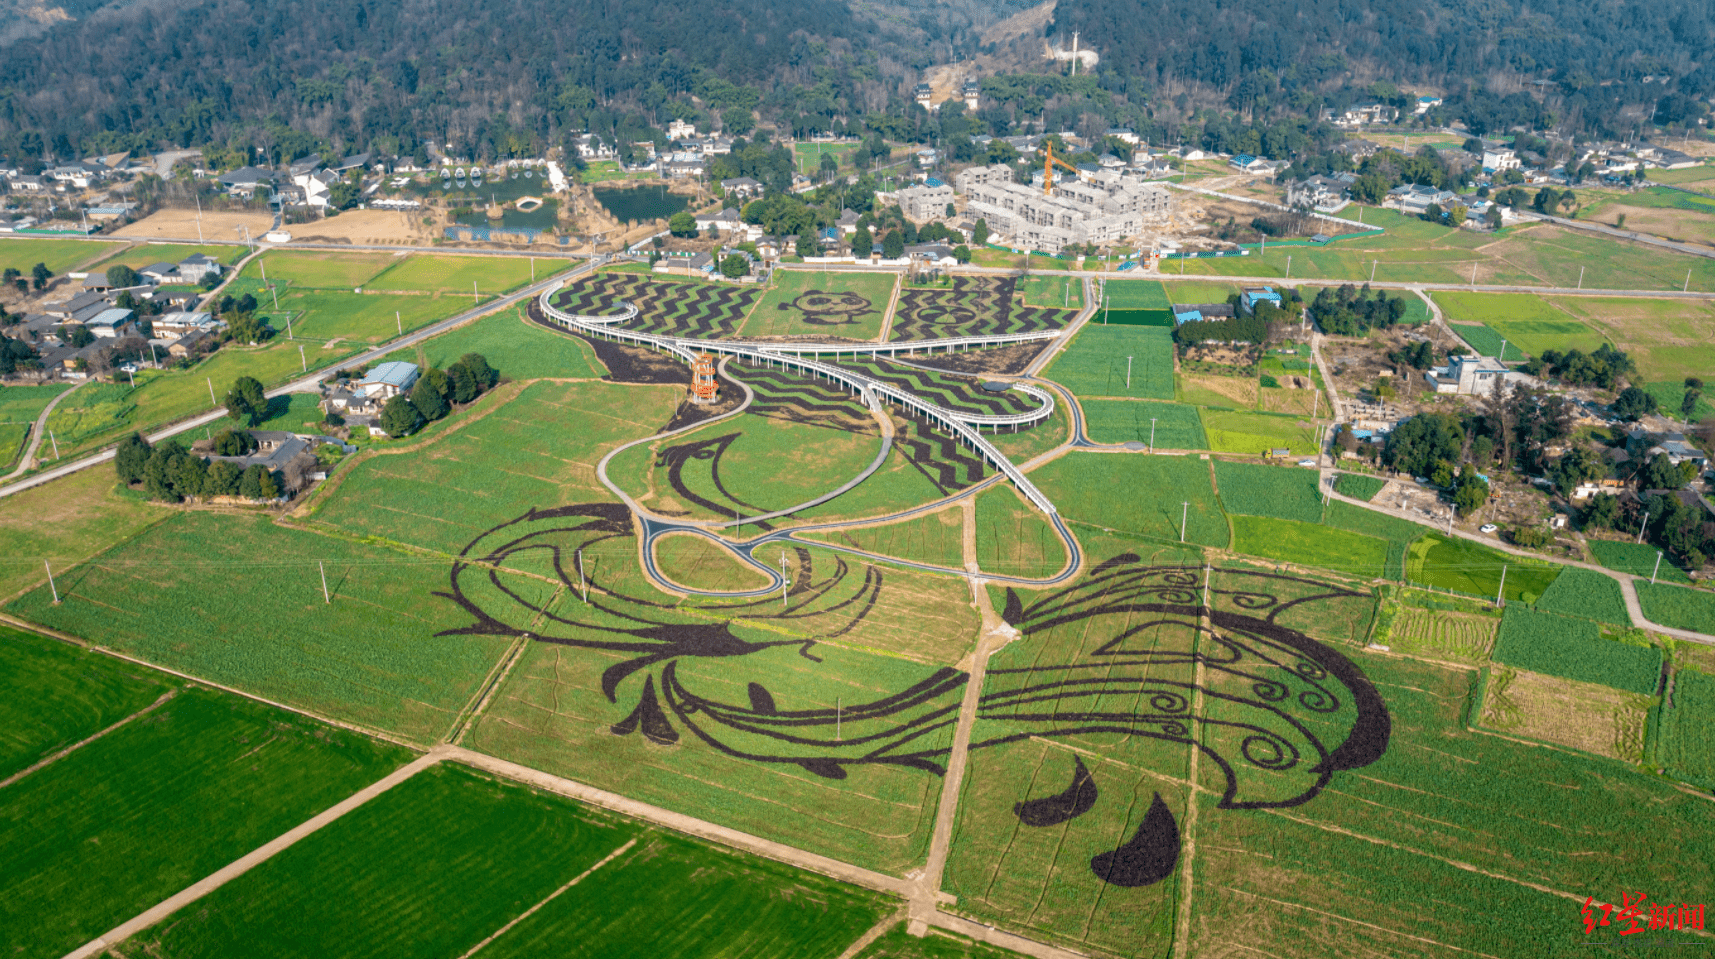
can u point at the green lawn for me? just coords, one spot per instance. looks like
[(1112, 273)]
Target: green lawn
[(1309, 544), (124, 822), (1176, 426), (1527, 321), (1096, 362), (520, 350), (1254, 434), (1468, 567), (1140, 495), (23, 253), (238, 600), (831, 304), (432, 273), (58, 694)]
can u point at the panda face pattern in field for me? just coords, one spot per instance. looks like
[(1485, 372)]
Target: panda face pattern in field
[(1279, 713), (830, 309)]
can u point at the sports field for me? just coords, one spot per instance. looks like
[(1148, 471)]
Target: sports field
[(830, 304), (1175, 426), (121, 823), (23, 253), (1099, 358), (1527, 321)]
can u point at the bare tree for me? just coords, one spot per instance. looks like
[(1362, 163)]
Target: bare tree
[(297, 471)]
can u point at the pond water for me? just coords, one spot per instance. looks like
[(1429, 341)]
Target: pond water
[(631, 204), (540, 218)]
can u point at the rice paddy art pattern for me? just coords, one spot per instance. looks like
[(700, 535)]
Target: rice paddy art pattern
[(957, 393), (1278, 712), (975, 305), (664, 308), (830, 309)]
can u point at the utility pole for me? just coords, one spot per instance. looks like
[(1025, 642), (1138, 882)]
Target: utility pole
[(1500, 594), (784, 582), (1152, 434), (1657, 568), (326, 599), (56, 443), (1289, 268), (1581, 278), (1184, 513), (1373, 265), (304, 361), (1687, 287), (1128, 372), (56, 589), (289, 334), (582, 582), (199, 218), (474, 298), (399, 321), (211, 398)]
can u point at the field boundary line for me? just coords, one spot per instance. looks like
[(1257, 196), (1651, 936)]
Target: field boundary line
[(254, 858), (1188, 837), (1360, 922), (580, 877), (871, 935), (679, 822), (9, 780), (495, 678), (892, 307)]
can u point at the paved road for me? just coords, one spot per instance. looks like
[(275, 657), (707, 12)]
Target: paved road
[(306, 383), (37, 433)]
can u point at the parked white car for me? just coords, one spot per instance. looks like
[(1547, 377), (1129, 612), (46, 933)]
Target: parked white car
[(1487, 528)]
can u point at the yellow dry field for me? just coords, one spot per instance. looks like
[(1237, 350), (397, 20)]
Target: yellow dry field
[(1287, 399), (1441, 634), (1242, 391), (372, 227), (1694, 656), (694, 562), (182, 225), (1667, 339), (1583, 716), (1670, 223)]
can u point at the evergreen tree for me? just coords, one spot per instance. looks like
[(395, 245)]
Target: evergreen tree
[(429, 395), (246, 402), (131, 457), (462, 384), (222, 479), (400, 418), (980, 233), (862, 242), (893, 245)]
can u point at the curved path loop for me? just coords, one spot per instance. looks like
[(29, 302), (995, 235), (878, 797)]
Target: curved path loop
[(964, 425), (37, 431)]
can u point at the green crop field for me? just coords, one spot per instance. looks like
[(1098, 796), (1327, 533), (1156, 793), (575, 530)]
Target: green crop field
[(1637, 559), (1670, 394), (58, 694), (1095, 363), (1441, 634), (1098, 489), (1175, 427), (434, 273), (19, 407), (520, 350), (1677, 606), (1486, 342), (12, 437), (1526, 320), (148, 254), (809, 155), (833, 303), (936, 538), (367, 318), (1014, 539), (1287, 492), (236, 599), (1667, 339), (1135, 295), (1574, 649), (1308, 544), (125, 821), (1254, 434), (1470, 568), (23, 253), (1059, 292), (897, 943), (1587, 594), (64, 522), (344, 270), (695, 562), (1187, 291), (489, 472), (1398, 532), (1359, 486), (899, 484), (348, 891), (1685, 744)]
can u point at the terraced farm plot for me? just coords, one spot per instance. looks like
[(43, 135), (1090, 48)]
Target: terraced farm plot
[(1359, 486), (433, 273), (22, 254), (1098, 489), (1442, 634), (58, 694), (304, 269), (1528, 321), (665, 307), (1307, 544), (1685, 744), (1173, 426), (1364, 854), (936, 539), (1475, 570), (1095, 363), (1586, 594), (1286, 492), (1586, 716), (1635, 558), (975, 305), (1574, 649), (520, 350), (1678, 606), (694, 562), (1013, 539), (537, 451), (825, 305), (371, 656), (123, 822), (1255, 434)]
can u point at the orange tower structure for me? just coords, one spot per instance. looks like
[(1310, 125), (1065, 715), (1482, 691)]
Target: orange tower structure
[(703, 388)]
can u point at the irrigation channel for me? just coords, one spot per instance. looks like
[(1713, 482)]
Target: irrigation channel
[(965, 426)]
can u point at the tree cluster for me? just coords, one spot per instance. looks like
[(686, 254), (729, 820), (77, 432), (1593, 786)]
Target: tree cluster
[(433, 395), (170, 473), (1350, 311)]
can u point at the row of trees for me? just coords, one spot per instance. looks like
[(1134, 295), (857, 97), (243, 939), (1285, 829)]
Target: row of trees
[(433, 395), (170, 473)]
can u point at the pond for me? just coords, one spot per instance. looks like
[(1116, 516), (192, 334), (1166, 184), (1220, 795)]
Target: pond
[(540, 218), (631, 204)]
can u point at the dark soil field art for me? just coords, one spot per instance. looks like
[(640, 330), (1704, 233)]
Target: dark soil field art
[(664, 306), (975, 305)]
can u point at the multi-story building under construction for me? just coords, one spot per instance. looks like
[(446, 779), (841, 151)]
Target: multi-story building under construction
[(1101, 207)]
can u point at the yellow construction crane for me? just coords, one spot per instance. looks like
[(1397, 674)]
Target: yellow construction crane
[(1048, 168)]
